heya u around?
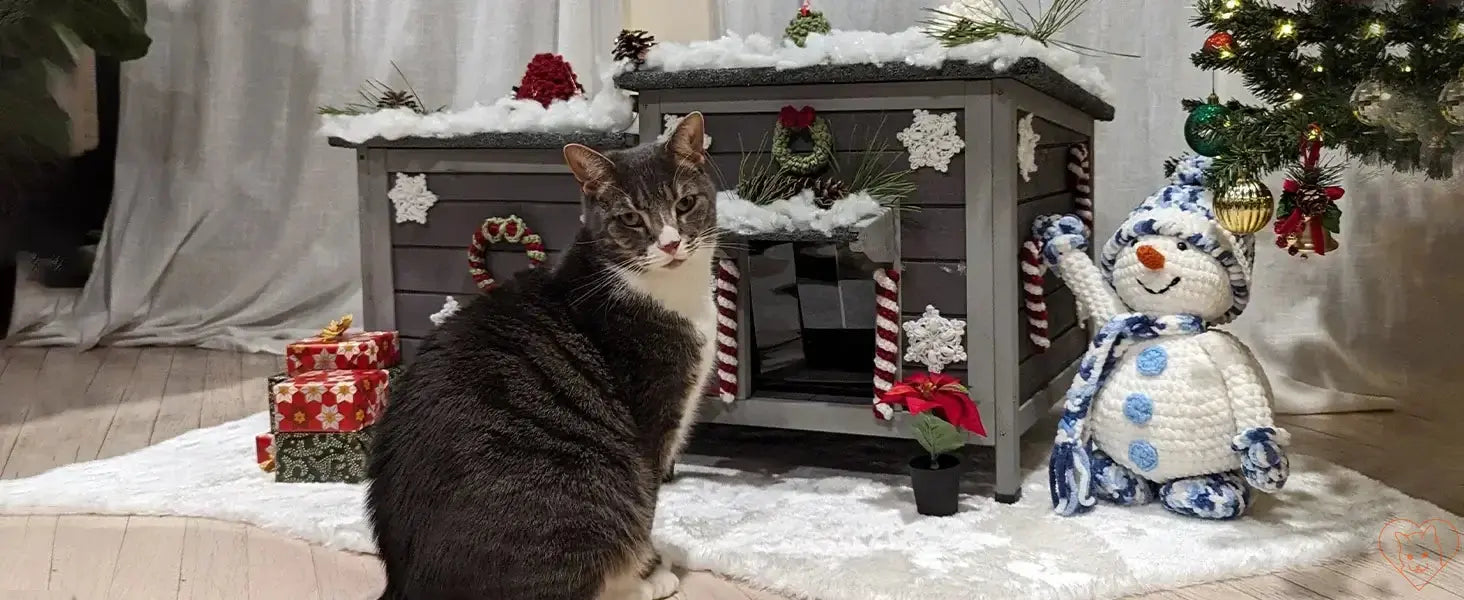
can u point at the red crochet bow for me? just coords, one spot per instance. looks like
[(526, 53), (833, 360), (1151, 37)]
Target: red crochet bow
[(796, 119)]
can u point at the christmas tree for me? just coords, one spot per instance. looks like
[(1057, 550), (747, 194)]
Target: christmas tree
[(1378, 81)]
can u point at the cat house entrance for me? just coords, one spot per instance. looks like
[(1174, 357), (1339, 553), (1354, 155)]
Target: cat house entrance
[(813, 321)]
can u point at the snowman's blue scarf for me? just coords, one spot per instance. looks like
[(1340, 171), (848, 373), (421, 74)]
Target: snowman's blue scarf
[(1069, 472)]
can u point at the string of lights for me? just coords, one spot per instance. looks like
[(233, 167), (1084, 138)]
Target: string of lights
[(1379, 80)]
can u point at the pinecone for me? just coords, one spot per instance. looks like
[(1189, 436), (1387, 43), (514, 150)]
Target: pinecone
[(398, 99), (632, 45), (1312, 201), (827, 191)]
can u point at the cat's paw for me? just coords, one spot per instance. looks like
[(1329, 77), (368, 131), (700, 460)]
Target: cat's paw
[(663, 582)]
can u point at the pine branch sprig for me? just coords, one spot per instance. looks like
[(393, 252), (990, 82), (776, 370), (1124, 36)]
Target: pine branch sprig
[(958, 30)]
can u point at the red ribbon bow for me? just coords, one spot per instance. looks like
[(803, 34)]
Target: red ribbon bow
[(941, 393), (796, 119), (804, 10), (1297, 221)]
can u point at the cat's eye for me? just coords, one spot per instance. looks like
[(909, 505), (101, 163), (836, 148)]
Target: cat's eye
[(1182, 246), (629, 219), (686, 203)]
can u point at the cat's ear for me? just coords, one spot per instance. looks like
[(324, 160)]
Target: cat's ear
[(1400, 538), (686, 141), (592, 169)]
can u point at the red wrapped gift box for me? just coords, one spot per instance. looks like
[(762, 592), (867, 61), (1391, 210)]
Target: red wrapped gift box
[(329, 401), (264, 451), (362, 350)]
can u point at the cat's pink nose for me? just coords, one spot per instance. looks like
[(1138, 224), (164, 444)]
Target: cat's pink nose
[(670, 248)]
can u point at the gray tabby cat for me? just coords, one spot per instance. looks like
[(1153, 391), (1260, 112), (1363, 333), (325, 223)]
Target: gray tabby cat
[(524, 447)]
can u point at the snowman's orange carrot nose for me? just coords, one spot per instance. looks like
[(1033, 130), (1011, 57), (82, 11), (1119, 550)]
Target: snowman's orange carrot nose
[(1150, 258)]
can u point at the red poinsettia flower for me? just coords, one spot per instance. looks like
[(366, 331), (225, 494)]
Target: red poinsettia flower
[(796, 119), (937, 392)]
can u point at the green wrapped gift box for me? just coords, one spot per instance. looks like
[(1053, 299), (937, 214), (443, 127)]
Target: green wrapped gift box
[(322, 457)]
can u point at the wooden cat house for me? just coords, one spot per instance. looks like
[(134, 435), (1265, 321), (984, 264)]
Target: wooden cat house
[(806, 303), (955, 244)]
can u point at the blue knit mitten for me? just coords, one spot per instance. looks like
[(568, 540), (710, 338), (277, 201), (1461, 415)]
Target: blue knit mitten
[(1262, 459), (1064, 235)]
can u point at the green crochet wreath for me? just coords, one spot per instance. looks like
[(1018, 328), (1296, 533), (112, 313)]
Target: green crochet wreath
[(807, 21), (805, 163)]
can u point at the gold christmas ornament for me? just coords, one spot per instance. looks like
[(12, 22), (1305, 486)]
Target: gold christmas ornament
[(1304, 243), (1245, 207)]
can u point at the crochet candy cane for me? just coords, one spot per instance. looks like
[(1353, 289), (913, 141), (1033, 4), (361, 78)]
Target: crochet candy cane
[(1034, 302), (726, 296), (1034, 270), (886, 336), (1080, 180), (509, 229), (1080, 167)]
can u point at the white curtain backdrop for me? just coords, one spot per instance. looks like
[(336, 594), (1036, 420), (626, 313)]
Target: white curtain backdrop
[(234, 224), (1372, 324)]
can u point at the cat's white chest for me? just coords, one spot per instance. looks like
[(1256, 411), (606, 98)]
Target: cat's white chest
[(706, 328), (1164, 412)]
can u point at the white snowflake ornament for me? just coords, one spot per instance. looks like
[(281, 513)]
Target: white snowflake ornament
[(411, 198), (449, 308), (931, 140), (1027, 139), (934, 341), (671, 122)]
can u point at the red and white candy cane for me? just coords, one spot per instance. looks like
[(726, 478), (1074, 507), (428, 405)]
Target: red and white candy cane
[(726, 296), (509, 229), (1034, 270), (1034, 302), (1080, 167), (886, 336), (1080, 180)]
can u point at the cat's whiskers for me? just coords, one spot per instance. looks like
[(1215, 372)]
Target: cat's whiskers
[(685, 290), (609, 277)]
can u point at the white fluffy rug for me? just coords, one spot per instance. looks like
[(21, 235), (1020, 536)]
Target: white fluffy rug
[(810, 533)]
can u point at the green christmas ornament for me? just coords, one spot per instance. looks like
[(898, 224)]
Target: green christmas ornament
[(808, 21), (1202, 121)]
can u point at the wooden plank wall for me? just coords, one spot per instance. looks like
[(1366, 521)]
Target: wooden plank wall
[(430, 261), (1055, 195)]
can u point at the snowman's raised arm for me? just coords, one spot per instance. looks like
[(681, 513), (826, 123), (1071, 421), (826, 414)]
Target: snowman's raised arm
[(1256, 437), (1065, 249)]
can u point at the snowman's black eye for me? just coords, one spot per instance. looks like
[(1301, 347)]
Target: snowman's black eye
[(1182, 246)]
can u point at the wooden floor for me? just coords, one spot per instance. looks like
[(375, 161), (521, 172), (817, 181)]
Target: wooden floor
[(58, 407)]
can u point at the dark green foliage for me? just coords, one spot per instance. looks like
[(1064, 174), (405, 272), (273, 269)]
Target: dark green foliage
[(1331, 47), (39, 34)]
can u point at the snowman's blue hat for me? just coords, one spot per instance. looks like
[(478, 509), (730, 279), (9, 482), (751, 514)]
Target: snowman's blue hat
[(1184, 210)]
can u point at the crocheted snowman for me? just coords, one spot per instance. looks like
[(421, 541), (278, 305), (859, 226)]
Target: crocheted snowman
[(1163, 407)]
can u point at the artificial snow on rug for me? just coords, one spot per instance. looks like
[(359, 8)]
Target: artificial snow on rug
[(805, 532)]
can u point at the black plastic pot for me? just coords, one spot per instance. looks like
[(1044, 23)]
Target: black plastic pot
[(937, 486)]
